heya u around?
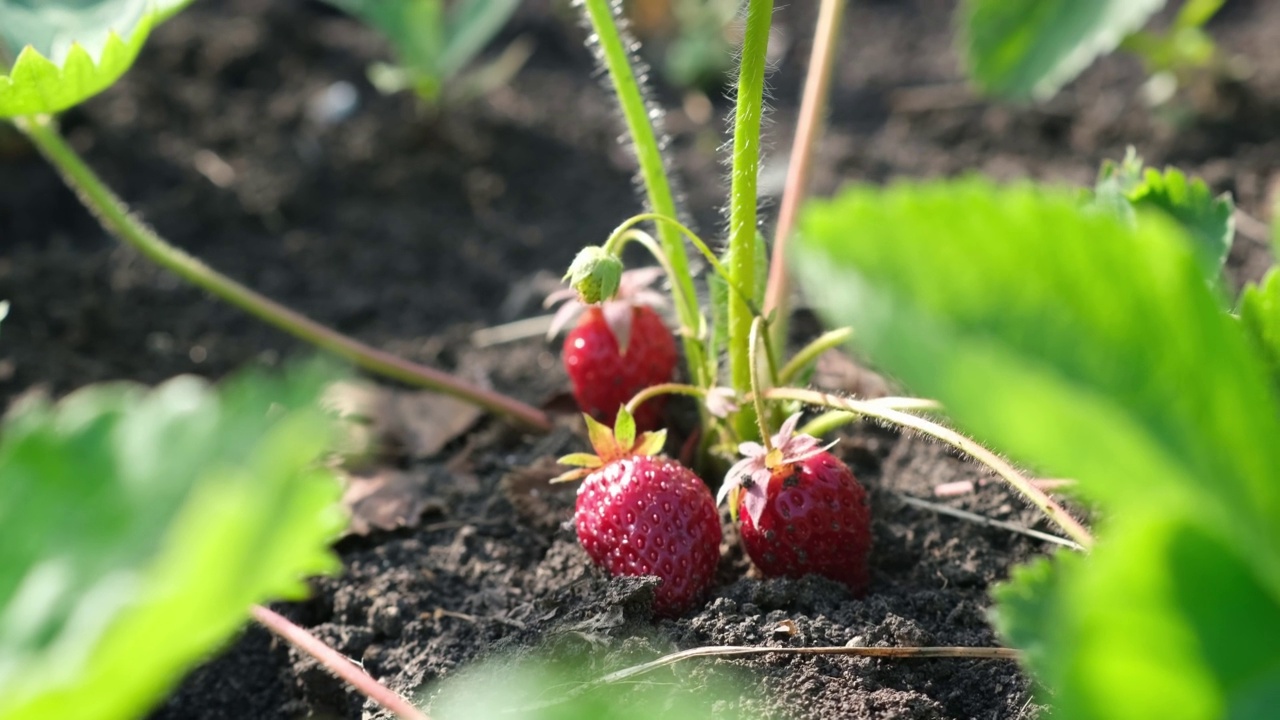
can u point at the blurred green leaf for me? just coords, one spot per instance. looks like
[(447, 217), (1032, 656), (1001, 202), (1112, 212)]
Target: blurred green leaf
[(1260, 316), (1028, 49), (57, 53), (1195, 13), (434, 41), (1091, 347), (472, 24), (561, 686), (1045, 329), (1163, 620), (141, 525)]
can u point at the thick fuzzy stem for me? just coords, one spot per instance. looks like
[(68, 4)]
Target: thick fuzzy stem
[(113, 216), (636, 111), (742, 197)]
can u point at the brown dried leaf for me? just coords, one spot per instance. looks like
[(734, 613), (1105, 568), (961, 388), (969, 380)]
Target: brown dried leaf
[(387, 499), (414, 423)]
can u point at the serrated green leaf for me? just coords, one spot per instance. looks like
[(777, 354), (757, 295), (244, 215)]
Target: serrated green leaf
[(68, 51), (1260, 317), (1165, 620), (141, 525), (1208, 219), (1080, 344), (1028, 49), (1026, 609)]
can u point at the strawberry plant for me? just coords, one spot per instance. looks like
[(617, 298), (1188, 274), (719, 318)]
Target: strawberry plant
[(804, 510)]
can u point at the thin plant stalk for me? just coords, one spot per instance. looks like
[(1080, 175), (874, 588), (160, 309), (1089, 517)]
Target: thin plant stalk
[(742, 195), (813, 105), (115, 217), (654, 391), (336, 663), (636, 112), (1026, 487), (809, 353)]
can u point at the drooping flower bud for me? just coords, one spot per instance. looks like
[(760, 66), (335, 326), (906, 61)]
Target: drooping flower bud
[(595, 274)]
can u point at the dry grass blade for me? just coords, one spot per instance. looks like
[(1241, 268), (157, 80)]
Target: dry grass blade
[(878, 410), (990, 522)]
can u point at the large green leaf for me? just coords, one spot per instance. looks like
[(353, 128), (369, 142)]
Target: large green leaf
[(57, 53), (1083, 344), (139, 528), (1087, 346), (1163, 620), (1024, 49)]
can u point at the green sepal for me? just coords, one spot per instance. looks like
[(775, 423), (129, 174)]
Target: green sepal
[(586, 460), (624, 429), (601, 438), (651, 443), (571, 476)]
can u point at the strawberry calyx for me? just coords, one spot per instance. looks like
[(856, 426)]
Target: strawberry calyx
[(747, 482), (632, 290), (594, 274), (611, 445)]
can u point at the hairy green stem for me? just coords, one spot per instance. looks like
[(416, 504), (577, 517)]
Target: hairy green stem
[(881, 411), (813, 104), (742, 194), (757, 397), (654, 391), (113, 216), (809, 353), (635, 110)]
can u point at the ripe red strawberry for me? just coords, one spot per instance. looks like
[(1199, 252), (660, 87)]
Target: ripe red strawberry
[(805, 512), (618, 349), (643, 515)]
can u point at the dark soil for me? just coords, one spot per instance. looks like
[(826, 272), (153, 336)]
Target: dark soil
[(409, 231)]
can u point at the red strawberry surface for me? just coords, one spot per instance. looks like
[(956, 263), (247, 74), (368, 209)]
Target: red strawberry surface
[(640, 515), (605, 377), (805, 512), (652, 516)]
